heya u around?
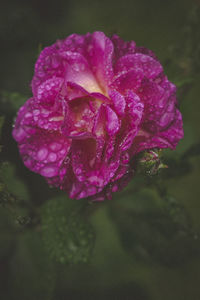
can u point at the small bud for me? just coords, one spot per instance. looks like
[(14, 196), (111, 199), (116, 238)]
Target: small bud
[(149, 162)]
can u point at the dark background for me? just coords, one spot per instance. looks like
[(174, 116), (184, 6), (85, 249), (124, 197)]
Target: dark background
[(113, 273)]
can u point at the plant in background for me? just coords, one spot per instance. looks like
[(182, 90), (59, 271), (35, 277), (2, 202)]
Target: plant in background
[(102, 111)]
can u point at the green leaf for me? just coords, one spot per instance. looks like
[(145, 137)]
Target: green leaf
[(68, 237), (194, 150), (156, 229), (183, 81), (14, 196), (2, 118), (11, 101), (33, 274)]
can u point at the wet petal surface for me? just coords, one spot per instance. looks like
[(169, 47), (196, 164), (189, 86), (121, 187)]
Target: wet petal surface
[(97, 102)]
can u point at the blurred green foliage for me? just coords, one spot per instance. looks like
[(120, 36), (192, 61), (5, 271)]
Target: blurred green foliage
[(144, 244), (11, 101), (67, 235), (156, 229)]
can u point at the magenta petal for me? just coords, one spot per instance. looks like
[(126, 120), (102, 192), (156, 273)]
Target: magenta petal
[(150, 67), (48, 91), (73, 91), (79, 72), (101, 97), (84, 162), (127, 80), (160, 106), (174, 133), (112, 121), (121, 47), (106, 121), (24, 119), (162, 139), (100, 53), (87, 168), (79, 118), (44, 153), (119, 102), (49, 64), (99, 123), (79, 190), (106, 193), (130, 126), (42, 116)]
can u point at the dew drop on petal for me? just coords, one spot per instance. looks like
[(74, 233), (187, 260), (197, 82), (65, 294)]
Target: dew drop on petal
[(42, 154), (48, 171)]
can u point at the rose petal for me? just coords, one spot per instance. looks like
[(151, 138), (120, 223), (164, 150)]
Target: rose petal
[(78, 71), (119, 102), (150, 67), (100, 52), (130, 124), (44, 152), (106, 121)]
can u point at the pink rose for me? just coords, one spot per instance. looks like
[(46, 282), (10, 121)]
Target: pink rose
[(97, 102)]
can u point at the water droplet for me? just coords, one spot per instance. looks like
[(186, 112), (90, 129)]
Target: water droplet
[(55, 62), (52, 157), (42, 154)]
